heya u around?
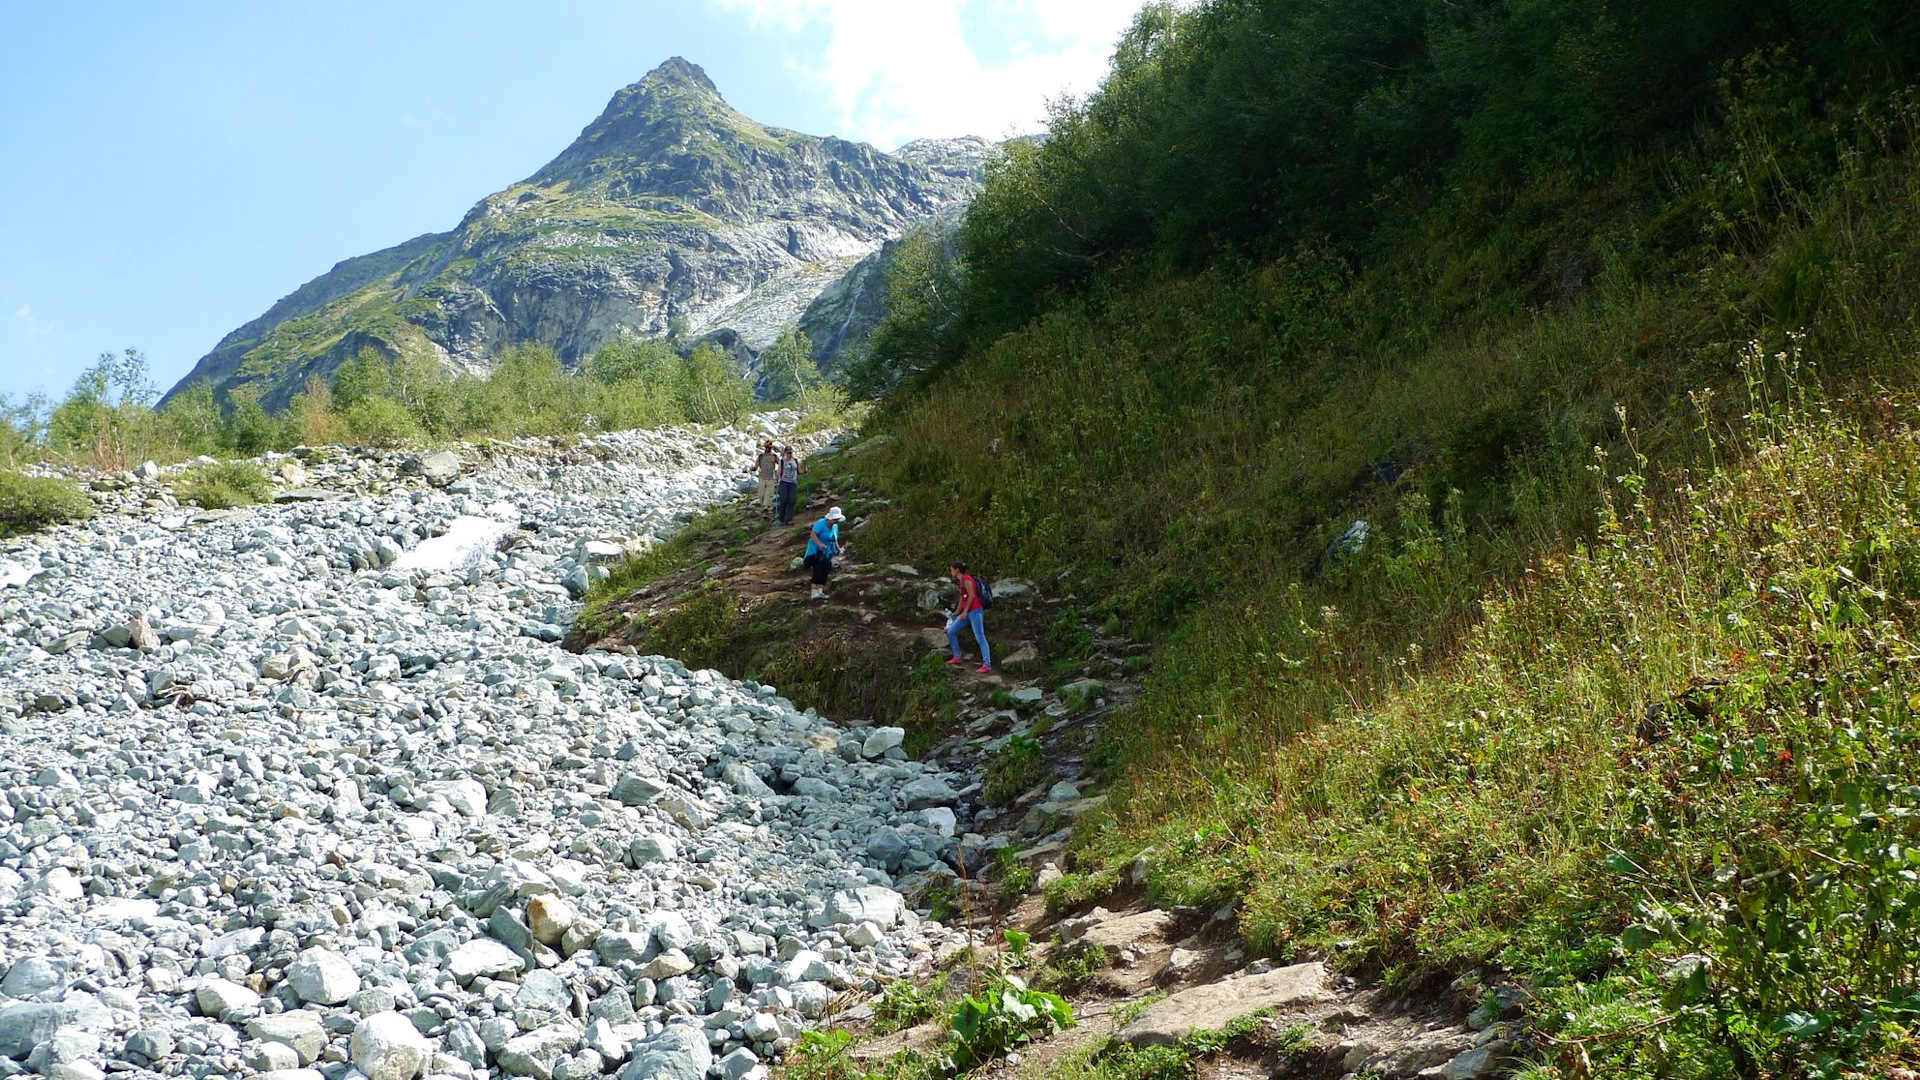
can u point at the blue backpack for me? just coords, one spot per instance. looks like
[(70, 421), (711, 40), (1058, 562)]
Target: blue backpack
[(984, 591)]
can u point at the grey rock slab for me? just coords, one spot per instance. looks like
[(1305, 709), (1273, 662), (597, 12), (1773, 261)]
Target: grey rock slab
[(537, 1052), (299, 1029), (614, 946), (272, 1057), (483, 956), (882, 739), (439, 469), (928, 791), (322, 977), (549, 917), (745, 781), (737, 1064), (31, 976), (667, 965), (1215, 1005), (221, 998), (1429, 1050), (24, 1026), (149, 1044), (637, 790), (652, 849), (542, 991), (678, 1053), (868, 903), (1116, 935), (386, 1046), (1478, 1063)]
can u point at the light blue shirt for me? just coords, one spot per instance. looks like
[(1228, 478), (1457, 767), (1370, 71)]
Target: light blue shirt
[(825, 536)]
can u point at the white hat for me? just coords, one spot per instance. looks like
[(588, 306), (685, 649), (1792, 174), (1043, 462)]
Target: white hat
[(835, 515)]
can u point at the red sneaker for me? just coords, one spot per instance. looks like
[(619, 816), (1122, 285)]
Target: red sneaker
[(983, 669), (954, 661)]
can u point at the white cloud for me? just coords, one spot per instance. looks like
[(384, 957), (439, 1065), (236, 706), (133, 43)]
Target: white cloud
[(30, 324), (901, 71)]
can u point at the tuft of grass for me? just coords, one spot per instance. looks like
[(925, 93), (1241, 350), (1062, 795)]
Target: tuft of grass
[(905, 1003), (31, 503), (1077, 890), (1072, 969), (669, 556), (1015, 876), (1018, 765), (225, 485), (1115, 1060), (1129, 1012)]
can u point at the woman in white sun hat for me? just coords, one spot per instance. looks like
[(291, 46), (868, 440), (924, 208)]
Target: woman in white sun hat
[(823, 543)]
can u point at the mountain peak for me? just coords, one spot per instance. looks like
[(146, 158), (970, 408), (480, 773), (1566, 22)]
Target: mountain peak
[(677, 71), (644, 123), (671, 207)]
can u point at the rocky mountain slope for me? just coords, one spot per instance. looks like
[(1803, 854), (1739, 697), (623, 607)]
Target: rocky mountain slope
[(309, 785), (671, 213)]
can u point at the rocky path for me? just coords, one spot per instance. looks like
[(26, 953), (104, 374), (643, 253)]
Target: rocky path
[(308, 790), (1144, 977)]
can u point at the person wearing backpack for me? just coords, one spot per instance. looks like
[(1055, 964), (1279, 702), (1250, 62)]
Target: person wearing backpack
[(823, 543), (975, 598), (765, 466), (788, 481)]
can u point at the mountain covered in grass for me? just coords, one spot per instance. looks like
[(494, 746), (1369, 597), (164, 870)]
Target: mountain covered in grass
[(670, 215)]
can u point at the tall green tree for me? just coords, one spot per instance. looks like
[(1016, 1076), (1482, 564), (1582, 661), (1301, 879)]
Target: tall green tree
[(787, 370), (920, 330), (103, 413), (713, 392)]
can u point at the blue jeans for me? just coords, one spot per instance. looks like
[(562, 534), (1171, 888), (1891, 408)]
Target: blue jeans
[(783, 511), (971, 618)]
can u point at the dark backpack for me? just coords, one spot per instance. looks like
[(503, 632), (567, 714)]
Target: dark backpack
[(984, 591)]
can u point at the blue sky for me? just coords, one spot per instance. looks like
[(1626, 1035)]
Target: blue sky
[(169, 170)]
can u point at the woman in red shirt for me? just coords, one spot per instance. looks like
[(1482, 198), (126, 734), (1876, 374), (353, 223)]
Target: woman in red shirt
[(967, 612)]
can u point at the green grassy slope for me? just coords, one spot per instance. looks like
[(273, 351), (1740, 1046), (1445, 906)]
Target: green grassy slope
[(1603, 320)]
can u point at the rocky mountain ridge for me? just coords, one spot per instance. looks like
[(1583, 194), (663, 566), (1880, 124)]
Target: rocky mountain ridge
[(672, 214)]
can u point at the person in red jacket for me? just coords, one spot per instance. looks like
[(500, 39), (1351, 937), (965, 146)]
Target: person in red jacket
[(968, 612)]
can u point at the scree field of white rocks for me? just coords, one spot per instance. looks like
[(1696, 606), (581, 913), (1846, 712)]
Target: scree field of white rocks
[(309, 790)]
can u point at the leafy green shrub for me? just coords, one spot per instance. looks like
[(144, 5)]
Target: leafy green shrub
[(1019, 947), (381, 421), (1019, 764), (225, 485), (28, 503), (1006, 1015)]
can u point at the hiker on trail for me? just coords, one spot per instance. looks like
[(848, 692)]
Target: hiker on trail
[(968, 611), (823, 543), (788, 474), (766, 465)]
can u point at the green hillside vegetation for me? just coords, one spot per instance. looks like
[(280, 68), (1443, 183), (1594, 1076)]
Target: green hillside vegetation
[(1601, 317), (108, 420)]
